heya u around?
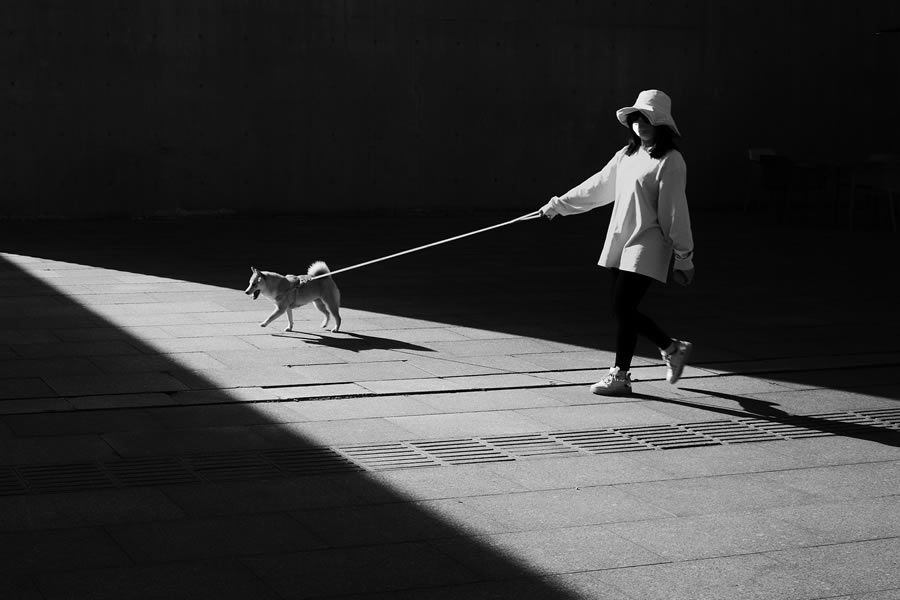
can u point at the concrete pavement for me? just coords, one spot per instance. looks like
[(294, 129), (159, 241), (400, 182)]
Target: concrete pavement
[(157, 443)]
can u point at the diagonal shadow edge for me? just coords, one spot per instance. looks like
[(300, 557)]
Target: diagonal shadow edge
[(427, 550)]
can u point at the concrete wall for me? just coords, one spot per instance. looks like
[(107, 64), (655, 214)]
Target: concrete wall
[(113, 108)]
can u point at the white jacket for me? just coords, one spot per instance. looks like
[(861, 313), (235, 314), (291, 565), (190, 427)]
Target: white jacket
[(650, 216)]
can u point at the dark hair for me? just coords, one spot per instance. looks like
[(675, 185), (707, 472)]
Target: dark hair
[(663, 140)]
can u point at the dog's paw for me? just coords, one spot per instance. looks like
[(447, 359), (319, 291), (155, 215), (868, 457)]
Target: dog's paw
[(335, 329), (263, 324), (288, 328)]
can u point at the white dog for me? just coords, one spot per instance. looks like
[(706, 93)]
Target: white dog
[(292, 291)]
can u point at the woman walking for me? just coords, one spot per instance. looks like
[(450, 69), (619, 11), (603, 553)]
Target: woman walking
[(650, 222)]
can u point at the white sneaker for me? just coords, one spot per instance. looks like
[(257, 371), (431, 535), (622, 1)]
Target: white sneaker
[(614, 384), (676, 361)]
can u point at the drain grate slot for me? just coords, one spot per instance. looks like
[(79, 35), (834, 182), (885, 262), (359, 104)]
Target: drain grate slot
[(889, 417), (64, 478), (232, 467), (136, 472), (530, 445), (381, 457), (310, 461), (843, 423), (10, 482), (462, 451), (666, 437), (787, 429), (731, 432), (600, 441)]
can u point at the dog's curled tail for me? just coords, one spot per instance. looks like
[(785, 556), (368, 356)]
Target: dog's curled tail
[(318, 268)]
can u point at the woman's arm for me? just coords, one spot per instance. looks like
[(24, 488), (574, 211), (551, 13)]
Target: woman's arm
[(597, 190)]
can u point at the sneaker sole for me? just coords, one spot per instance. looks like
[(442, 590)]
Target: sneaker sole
[(617, 393)]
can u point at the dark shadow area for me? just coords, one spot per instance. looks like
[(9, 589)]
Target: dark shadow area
[(763, 291), (179, 501)]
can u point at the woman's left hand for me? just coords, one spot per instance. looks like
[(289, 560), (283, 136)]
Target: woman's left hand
[(683, 277)]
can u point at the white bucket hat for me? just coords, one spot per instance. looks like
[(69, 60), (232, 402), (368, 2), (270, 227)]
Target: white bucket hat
[(655, 105)]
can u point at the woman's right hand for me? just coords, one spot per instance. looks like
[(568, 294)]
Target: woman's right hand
[(547, 210)]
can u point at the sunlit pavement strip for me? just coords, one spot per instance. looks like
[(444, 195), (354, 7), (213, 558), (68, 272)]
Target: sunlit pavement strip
[(152, 430)]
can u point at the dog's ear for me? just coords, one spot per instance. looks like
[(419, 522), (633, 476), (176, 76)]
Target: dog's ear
[(254, 270)]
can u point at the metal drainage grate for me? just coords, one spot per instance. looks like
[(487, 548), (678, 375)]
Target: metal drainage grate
[(462, 451), (667, 437), (380, 457), (600, 441), (889, 417), (231, 467), (10, 482), (310, 461), (64, 478), (534, 444), (731, 432), (133, 472)]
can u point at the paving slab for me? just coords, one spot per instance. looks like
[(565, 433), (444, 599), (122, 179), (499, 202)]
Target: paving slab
[(209, 538), (395, 522), (849, 521), (709, 461), (870, 480), (598, 415), (358, 570), (569, 550), (561, 508), (118, 383), (363, 408), (332, 433), (75, 423), (75, 349), (467, 424), (746, 577), (60, 550), (853, 567), (270, 495), (212, 580), (489, 400), (59, 449), (836, 450), (18, 388), (727, 493), (716, 535), (156, 363), (37, 512), (580, 471), (445, 483), (185, 441)]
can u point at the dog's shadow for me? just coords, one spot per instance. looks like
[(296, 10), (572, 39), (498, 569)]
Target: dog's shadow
[(353, 342)]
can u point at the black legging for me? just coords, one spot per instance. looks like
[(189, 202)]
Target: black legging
[(627, 291)]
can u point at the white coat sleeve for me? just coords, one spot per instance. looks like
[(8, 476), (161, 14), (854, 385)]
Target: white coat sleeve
[(598, 190), (673, 214)]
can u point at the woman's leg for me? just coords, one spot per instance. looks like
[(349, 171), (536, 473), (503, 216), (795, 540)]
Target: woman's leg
[(628, 290)]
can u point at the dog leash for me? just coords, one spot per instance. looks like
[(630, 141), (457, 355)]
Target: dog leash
[(533, 215)]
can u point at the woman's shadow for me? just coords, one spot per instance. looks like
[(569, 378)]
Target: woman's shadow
[(769, 411)]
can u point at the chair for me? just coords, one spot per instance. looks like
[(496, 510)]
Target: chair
[(878, 177)]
